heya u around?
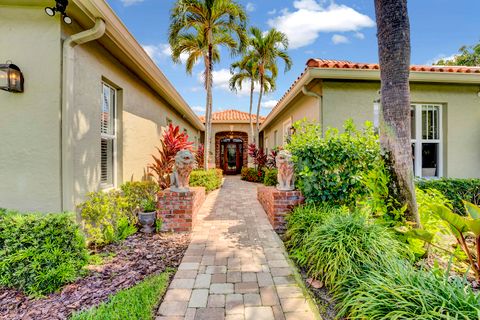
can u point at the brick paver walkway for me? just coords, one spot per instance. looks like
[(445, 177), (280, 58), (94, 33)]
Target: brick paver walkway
[(236, 266)]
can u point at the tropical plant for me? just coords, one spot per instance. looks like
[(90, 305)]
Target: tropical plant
[(173, 140), (198, 28), (393, 30), (270, 178), (468, 56), (272, 157), (200, 156), (264, 51), (252, 174), (245, 70), (258, 155), (148, 205)]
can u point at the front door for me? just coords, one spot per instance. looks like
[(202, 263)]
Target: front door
[(231, 156)]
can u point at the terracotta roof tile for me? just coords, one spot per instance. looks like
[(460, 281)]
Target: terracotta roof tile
[(232, 115)]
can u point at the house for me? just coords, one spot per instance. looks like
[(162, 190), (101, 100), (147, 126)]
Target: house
[(231, 135), (92, 109), (445, 111)]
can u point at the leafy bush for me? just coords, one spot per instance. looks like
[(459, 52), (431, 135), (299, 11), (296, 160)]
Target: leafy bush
[(107, 217), (252, 174), (329, 169), (401, 292), (270, 178), (40, 252), (258, 155), (138, 302), (346, 246), (210, 179), (455, 190), (137, 191)]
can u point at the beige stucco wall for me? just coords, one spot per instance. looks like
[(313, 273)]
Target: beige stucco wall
[(139, 125), (227, 127), (302, 107), (30, 121)]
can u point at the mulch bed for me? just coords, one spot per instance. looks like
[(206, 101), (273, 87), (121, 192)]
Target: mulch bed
[(135, 258)]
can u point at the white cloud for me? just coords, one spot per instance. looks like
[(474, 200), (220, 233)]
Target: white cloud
[(221, 81), (359, 35), (199, 109), (162, 51), (269, 104), (272, 12), (304, 25), (440, 56), (127, 3), (250, 7), (338, 39)]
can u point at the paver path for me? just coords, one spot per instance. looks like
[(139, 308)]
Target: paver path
[(235, 267)]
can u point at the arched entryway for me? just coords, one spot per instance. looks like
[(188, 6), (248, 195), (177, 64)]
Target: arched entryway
[(231, 151)]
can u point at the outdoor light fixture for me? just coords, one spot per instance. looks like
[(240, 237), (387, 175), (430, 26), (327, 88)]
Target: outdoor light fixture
[(292, 130), (11, 78), (61, 6)]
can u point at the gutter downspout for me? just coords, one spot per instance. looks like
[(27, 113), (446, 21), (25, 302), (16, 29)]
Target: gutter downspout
[(307, 92), (67, 150)]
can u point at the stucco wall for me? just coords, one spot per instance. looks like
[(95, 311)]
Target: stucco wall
[(227, 127), (30, 121), (139, 126)]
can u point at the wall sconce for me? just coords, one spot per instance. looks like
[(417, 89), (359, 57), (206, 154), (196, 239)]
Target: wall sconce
[(292, 130), (61, 6), (11, 78)]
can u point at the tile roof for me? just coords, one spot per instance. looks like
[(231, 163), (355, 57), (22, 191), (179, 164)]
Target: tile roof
[(232, 115)]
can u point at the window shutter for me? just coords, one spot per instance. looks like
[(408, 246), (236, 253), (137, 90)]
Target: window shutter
[(107, 131)]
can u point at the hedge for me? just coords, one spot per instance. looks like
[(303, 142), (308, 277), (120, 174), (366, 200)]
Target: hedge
[(252, 174), (210, 179), (270, 178), (454, 190), (39, 253)]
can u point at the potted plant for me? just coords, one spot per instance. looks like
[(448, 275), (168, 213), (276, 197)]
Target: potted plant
[(147, 214)]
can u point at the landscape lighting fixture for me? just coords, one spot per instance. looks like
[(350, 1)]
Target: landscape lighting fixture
[(11, 77), (60, 6)]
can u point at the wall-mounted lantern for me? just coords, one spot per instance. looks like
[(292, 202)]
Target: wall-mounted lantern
[(292, 130), (11, 78), (60, 6)]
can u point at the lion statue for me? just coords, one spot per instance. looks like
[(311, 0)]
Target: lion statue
[(285, 177), (184, 163)]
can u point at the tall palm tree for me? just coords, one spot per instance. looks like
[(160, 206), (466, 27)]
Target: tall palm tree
[(265, 49), (246, 71), (198, 28), (394, 56)]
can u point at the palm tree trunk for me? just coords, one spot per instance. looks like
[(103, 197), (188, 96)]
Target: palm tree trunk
[(208, 109), (394, 55), (260, 95), (252, 88)]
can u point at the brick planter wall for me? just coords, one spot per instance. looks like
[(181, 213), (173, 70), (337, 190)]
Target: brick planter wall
[(277, 204), (178, 210)]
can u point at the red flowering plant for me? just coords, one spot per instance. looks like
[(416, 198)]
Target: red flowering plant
[(258, 155), (172, 141)]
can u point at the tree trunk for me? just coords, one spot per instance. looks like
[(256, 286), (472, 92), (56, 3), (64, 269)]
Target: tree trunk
[(260, 95), (208, 109), (394, 55), (252, 88)]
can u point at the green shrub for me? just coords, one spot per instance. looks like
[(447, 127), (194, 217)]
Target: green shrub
[(137, 191), (210, 179), (138, 302), (401, 292), (346, 246), (329, 169), (107, 217), (270, 178), (252, 174), (454, 190), (39, 253)]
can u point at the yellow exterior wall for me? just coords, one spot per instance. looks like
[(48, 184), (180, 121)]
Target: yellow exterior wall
[(30, 121)]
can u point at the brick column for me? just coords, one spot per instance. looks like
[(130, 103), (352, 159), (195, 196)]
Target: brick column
[(278, 204), (178, 210)]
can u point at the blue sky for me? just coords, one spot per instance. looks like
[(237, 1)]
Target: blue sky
[(339, 29)]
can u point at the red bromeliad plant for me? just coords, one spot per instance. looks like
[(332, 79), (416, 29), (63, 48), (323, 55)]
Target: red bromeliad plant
[(171, 142), (259, 157)]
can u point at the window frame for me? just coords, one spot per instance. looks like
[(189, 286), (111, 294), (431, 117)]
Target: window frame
[(419, 140), (110, 137)]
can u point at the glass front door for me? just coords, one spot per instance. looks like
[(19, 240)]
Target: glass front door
[(231, 156)]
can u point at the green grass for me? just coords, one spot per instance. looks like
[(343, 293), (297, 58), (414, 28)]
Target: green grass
[(136, 303)]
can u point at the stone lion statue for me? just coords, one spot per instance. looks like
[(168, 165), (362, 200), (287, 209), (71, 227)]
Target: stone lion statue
[(285, 177), (184, 163)]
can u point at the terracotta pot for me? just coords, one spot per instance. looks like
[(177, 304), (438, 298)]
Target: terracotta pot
[(147, 221)]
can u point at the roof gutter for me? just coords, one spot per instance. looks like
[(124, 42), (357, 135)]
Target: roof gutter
[(67, 113), (319, 97)]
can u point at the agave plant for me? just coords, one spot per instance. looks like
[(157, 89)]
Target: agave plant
[(171, 142)]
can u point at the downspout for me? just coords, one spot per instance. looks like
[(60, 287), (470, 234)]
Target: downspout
[(309, 93), (67, 150)]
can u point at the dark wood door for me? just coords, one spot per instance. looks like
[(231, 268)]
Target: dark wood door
[(232, 157)]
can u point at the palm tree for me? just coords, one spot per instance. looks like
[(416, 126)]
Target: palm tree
[(245, 71), (265, 49), (394, 57), (198, 28)]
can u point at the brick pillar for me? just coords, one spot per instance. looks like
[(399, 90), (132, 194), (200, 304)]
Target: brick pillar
[(178, 210), (278, 204)]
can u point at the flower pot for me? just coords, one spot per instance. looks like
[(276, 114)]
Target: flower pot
[(147, 221)]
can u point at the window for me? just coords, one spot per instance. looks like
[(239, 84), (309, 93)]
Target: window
[(266, 145), (275, 141), (108, 136), (426, 135), (287, 126)]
